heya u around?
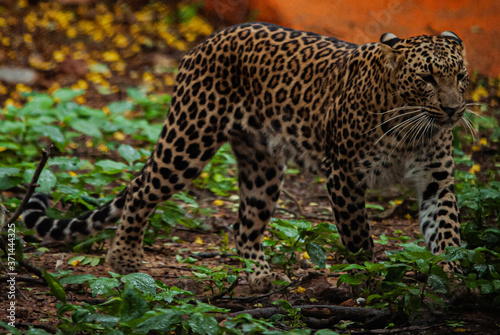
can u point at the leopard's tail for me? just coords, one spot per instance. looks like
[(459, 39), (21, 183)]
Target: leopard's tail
[(67, 230)]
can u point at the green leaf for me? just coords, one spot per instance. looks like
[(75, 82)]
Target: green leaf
[(37, 331), (437, 283), (87, 127), (129, 153), (350, 279), (13, 330), (67, 94), (161, 322), (284, 304), (133, 305), (317, 254), (326, 332), (201, 323), (55, 286), (52, 132), (77, 279), (120, 107), (103, 285), (8, 171), (143, 282), (46, 181), (111, 167), (107, 321)]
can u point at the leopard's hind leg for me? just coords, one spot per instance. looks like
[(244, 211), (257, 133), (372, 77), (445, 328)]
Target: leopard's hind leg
[(260, 175), (181, 153)]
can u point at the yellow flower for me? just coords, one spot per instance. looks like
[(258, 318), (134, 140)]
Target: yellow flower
[(475, 168), (198, 240), (476, 147), (169, 81), (111, 56), (3, 149), (305, 255), (300, 290), (89, 144), (106, 110), (483, 141), (6, 41), (59, 56), (120, 41), (479, 92), (119, 136), (218, 202), (146, 76), (3, 22), (72, 174), (102, 147), (3, 89), (72, 145), (398, 202), (98, 35), (408, 216), (22, 3), (23, 88), (71, 32), (27, 38), (55, 86), (75, 262), (81, 100), (80, 85)]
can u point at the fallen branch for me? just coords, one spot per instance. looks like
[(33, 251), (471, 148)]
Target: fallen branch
[(31, 187), (324, 315), (25, 279)]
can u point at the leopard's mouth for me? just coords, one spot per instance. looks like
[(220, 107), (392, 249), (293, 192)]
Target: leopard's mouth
[(444, 120)]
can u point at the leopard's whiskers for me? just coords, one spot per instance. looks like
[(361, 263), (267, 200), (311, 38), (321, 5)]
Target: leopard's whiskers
[(415, 128), (398, 126), (468, 124), (392, 118), (397, 109), (421, 127), (472, 112)]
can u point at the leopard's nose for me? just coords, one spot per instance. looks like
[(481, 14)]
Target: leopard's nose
[(450, 110)]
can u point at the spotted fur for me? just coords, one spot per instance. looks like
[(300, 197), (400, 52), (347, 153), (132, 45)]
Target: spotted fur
[(361, 115)]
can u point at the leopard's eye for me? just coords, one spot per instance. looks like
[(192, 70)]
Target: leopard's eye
[(461, 76), (429, 79)]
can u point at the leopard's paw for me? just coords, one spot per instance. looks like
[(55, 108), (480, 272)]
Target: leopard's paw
[(264, 283)]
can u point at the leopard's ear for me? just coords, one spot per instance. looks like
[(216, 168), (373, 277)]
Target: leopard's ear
[(389, 39), (393, 56), (453, 36)]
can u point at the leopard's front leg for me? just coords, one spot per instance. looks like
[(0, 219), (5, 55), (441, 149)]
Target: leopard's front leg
[(439, 214), (347, 194)]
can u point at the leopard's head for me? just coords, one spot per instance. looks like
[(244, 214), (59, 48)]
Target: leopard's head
[(429, 72)]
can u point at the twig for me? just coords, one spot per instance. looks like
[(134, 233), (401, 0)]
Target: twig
[(367, 316), (265, 295), (288, 194), (25, 279), (31, 187), (15, 283), (220, 294)]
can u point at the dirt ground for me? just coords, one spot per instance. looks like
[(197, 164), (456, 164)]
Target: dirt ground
[(35, 307)]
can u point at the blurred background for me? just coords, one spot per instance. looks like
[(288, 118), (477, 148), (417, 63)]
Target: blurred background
[(105, 46)]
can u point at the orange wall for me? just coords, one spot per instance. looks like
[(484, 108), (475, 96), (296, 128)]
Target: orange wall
[(477, 22)]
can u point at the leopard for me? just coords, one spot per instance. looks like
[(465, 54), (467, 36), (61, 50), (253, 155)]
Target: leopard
[(362, 116)]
